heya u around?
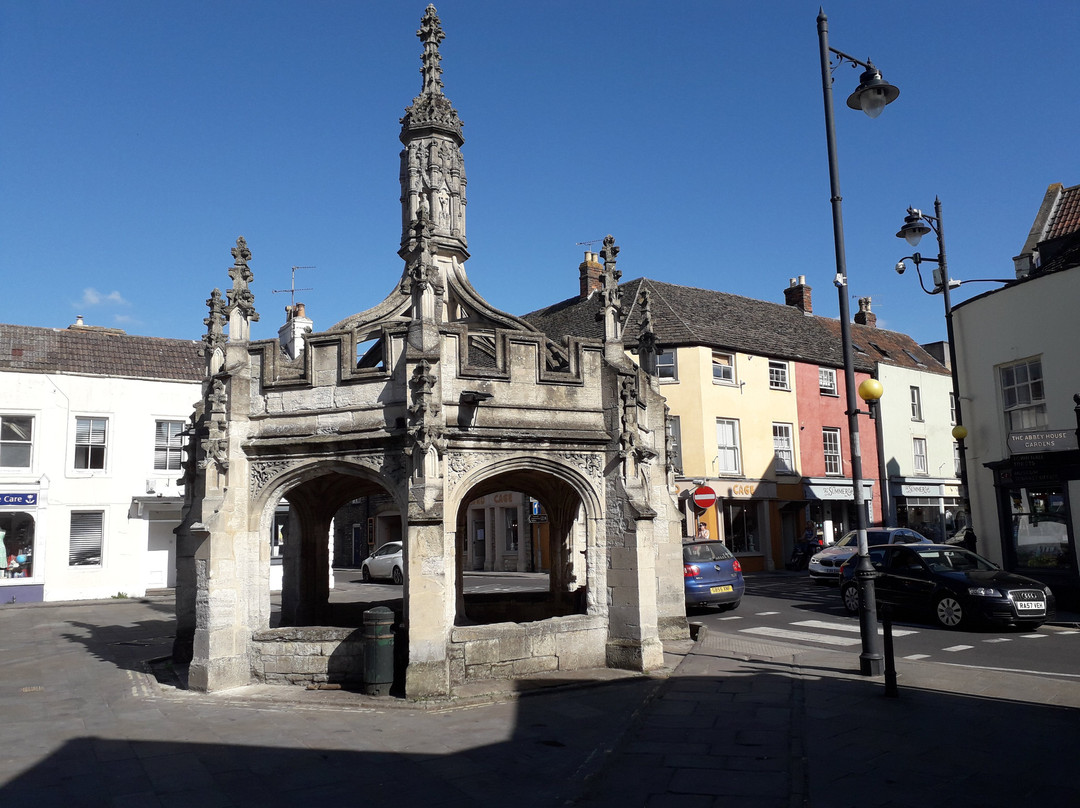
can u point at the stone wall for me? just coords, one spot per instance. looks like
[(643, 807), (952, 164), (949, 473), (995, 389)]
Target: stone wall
[(509, 650), (307, 655)]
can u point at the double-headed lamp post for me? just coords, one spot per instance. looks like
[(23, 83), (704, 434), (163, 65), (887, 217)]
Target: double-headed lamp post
[(916, 225), (871, 96)]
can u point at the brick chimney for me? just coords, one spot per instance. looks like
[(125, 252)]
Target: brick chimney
[(864, 316), (591, 270), (798, 295)]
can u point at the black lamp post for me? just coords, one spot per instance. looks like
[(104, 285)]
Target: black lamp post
[(916, 225), (871, 96)]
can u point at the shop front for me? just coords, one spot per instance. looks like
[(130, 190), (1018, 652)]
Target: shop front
[(1035, 518), (931, 507), (831, 505), (20, 564)]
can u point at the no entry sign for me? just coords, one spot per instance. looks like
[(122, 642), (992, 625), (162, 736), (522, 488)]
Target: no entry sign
[(704, 497)]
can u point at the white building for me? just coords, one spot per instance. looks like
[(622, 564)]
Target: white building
[(1018, 374), (90, 453)]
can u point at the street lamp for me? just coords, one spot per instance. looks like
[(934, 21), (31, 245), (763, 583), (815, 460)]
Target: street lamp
[(916, 225), (871, 96)]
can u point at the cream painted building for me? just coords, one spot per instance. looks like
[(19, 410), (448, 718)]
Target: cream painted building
[(91, 436)]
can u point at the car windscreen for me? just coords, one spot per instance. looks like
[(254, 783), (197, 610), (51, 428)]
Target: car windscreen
[(705, 552), (945, 559)]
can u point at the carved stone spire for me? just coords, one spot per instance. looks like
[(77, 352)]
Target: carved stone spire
[(241, 308), (214, 338), (612, 311), (646, 335), (432, 168)]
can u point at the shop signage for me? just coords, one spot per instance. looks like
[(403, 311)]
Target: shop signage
[(920, 490), (836, 491), (537, 518), (755, 490), (18, 499), (1044, 441)]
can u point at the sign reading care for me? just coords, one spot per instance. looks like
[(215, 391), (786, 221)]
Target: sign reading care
[(18, 499)]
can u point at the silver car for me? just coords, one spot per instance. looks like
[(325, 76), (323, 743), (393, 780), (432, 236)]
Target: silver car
[(825, 565), (383, 563)]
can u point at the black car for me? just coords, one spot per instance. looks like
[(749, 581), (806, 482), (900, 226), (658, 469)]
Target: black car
[(954, 585)]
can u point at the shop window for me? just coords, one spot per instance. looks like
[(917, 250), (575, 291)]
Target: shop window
[(1040, 533), (727, 446), (830, 439), (827, 381), (783, 448), (741, 527), (168, 445), (918, 448), (16, 545), (723, 368), (84, 548), (16, 441), (1022, 395), (90, 437), (666, 367), (511, 516), (778, 375), (916, 404)]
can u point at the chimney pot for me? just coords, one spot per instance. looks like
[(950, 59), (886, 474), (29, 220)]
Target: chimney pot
[(798, 295)]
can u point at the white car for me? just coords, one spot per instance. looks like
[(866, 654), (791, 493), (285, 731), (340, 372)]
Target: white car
[(825, 565), (383, 563)]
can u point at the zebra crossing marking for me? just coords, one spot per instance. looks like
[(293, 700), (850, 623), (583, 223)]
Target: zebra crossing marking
[(952, 648), (897, 632), (788, 634)]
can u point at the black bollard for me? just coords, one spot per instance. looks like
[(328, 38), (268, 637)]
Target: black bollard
[(890, 661)]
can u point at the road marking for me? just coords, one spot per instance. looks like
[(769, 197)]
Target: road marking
[(916, 657), (786, 634), (897, 632), (766, 614), (1009, 670), (1064, 631), (999, 639), (958, 648), (731, 617), (1033, 636)]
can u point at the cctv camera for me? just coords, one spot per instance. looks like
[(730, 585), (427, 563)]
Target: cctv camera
[(900, 267)]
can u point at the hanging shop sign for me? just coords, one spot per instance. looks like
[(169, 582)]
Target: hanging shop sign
[(1062, 440)]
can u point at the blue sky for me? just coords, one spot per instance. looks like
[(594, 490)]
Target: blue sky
[(139, 139)]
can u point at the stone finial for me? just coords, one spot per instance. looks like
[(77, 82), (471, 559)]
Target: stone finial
[(241, 297), (214, 337), (431, 109), (646, 335)]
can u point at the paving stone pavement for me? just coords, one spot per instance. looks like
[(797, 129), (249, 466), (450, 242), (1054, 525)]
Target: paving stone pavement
[(732, 722)]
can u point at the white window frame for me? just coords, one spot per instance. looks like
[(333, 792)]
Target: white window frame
[(784, 444), (86, 534), (920, 459), (89, 439), (667, 371), (727, 447), (725, 363), (12, 440), (952, 408), (956, 458), (1026, 399), (778, 375), (168, 447), (916, 403), (827, 383), (835, 458)]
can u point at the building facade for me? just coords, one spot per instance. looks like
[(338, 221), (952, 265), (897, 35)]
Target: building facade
[(1019, 381), (92, 425)]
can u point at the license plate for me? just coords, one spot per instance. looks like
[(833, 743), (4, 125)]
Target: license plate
[(1030, 605), (716, 590)]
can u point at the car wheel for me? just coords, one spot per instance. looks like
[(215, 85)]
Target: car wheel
[(852, 601), (365, 574), (396, 575), (949, 611)]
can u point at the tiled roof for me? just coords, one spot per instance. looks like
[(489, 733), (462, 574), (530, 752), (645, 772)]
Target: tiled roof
[(685, 316), (1066, 216), (101, 353)]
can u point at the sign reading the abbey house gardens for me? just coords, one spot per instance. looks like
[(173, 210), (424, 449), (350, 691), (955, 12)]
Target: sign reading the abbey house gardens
[(1043, 441)]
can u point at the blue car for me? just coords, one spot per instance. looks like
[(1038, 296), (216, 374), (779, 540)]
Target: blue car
[(712, 576)]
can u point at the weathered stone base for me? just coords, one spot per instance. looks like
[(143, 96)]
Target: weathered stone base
[(427, 680), (512, 650), (222, 673), (646, 655), (307, 655)]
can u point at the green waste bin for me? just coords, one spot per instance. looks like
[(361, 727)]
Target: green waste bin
[(378, 645)]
